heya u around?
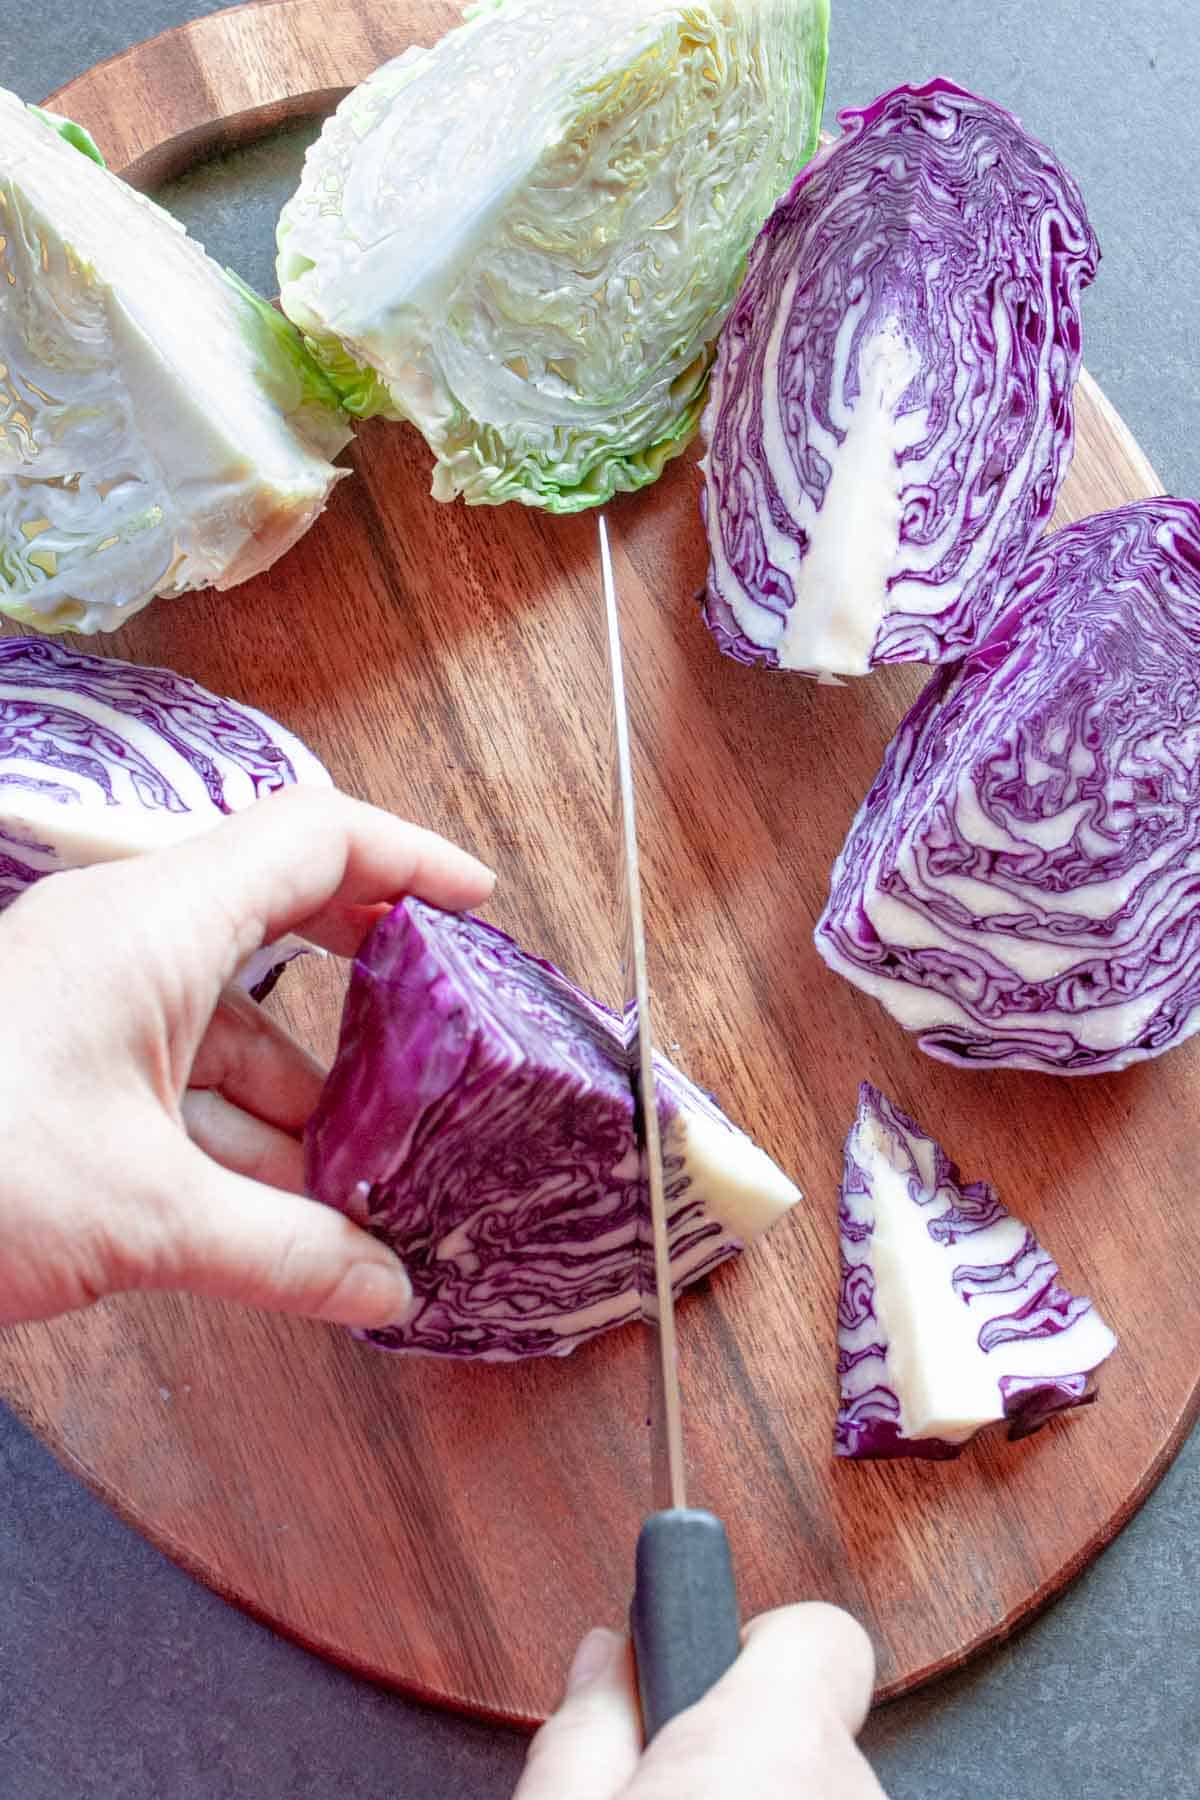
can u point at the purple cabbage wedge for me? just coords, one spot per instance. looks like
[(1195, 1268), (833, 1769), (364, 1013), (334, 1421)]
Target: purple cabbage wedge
[(100, 759), (951, 1315), (479, 1118), (1019, 886), (890, 415)]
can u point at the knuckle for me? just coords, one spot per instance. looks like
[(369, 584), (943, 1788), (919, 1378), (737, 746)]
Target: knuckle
[(828, 1634), (301, 1279), (40, 907), (307, 807)]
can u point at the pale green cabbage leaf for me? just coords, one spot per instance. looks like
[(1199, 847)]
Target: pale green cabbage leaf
[(161, 427), (525, 239), (76, 135)]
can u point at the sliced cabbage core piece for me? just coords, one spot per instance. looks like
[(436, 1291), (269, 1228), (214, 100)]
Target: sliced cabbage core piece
[(951, 1315)]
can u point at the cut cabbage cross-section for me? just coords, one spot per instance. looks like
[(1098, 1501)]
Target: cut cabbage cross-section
[(161, 427), (101, 759), (479, 1116), (1019, 886), (524, 240), (890, 416), (951, 1315)]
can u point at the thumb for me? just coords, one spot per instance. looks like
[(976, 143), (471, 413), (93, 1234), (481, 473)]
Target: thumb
[(589, 1748), (231, 1238)]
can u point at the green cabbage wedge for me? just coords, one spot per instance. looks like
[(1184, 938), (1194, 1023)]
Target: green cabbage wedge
[(161, 427), (525, 239)]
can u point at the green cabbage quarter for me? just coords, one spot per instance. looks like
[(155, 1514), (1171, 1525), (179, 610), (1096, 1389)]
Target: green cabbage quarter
[(525, 239), (161, 427)]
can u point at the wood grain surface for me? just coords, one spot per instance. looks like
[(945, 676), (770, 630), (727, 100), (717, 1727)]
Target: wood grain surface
[(453, 1530)]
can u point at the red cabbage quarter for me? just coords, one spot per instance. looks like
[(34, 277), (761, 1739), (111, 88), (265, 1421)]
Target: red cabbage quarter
[(101, 759), (1019, 886), (951, 1315), (479, 1118), (890, 418)]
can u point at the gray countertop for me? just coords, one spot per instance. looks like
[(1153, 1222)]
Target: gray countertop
[(121, 1679)]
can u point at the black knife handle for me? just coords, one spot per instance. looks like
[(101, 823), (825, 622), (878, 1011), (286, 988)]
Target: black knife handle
[(685, 1613)]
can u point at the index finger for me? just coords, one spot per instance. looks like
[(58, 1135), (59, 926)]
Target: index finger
[(312, 860)]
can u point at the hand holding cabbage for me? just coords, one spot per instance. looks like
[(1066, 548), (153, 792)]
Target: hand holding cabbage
[(115, 1046)]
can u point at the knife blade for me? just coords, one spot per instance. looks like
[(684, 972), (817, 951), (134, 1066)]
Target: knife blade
[(684, 1615)]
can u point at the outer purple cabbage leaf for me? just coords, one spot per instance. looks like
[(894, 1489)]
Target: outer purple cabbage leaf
[(100, 759), (1019, 886), (951, 1315), (890, 417), (479, 1118)]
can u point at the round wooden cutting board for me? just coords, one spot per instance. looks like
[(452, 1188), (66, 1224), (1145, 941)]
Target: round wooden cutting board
[(453, 1530)]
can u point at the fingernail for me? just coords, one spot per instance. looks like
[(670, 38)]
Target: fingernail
[(594, 1657), (376, 1292)]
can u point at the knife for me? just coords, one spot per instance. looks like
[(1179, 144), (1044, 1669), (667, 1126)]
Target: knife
[(684, 1616)]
